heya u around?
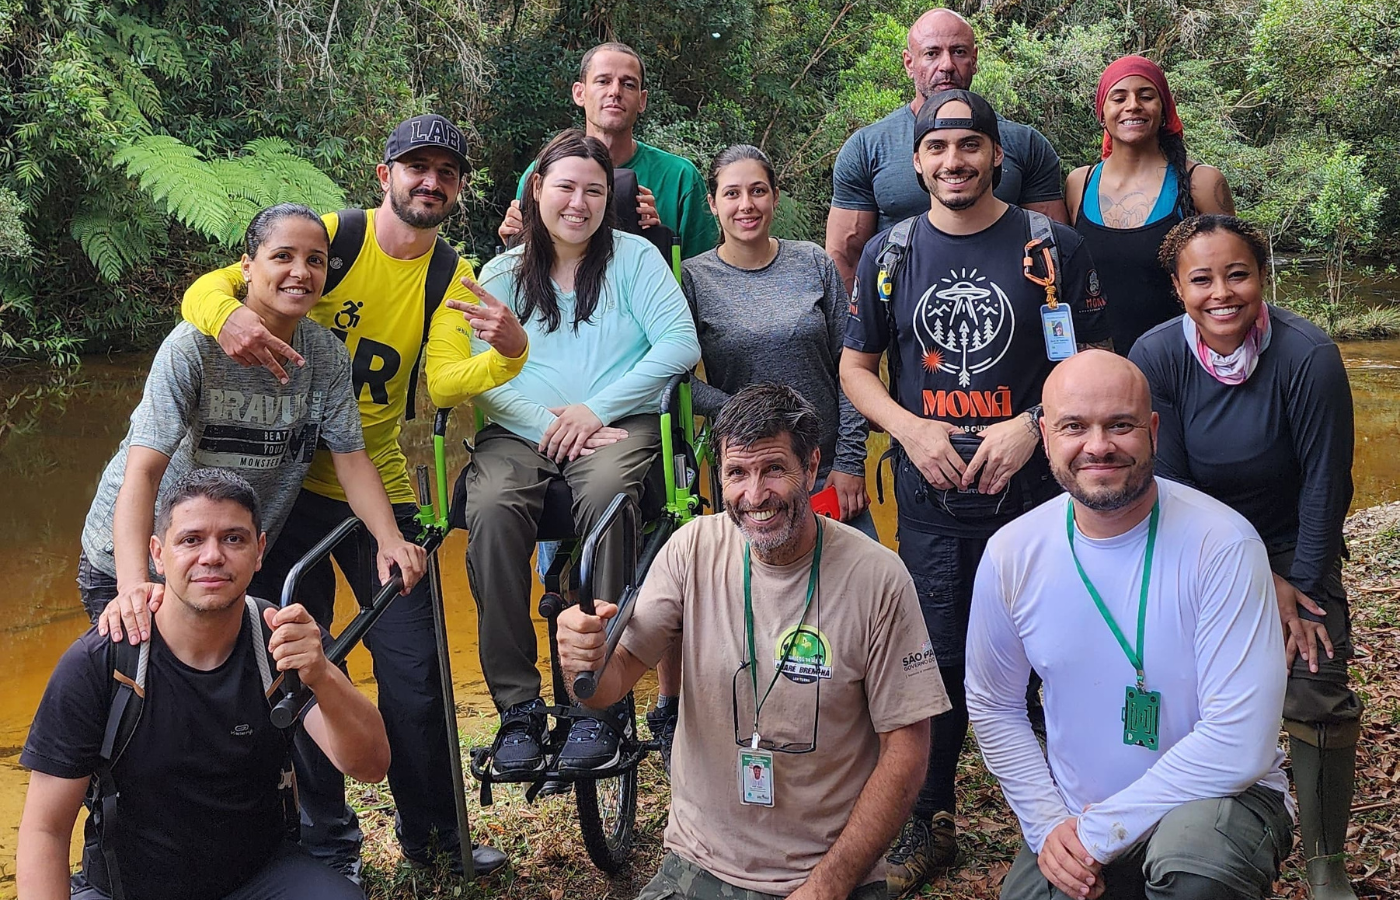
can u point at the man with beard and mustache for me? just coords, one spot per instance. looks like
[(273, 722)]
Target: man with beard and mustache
[(969, 347), (817, 623), (1148, 607), (390, 274), (872, 187)]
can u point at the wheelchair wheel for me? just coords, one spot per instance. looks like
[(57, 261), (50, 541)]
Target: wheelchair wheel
[(607, 814)]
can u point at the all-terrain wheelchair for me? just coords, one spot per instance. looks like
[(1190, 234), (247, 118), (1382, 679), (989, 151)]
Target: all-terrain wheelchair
[(606, 797)]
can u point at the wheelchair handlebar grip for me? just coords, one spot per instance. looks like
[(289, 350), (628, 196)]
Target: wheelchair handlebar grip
[(585, 685)]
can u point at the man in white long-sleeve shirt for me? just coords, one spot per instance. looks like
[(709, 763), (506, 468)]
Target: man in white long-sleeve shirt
[(1149, 610)]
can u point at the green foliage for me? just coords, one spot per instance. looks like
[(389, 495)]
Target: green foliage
[(136, 140)]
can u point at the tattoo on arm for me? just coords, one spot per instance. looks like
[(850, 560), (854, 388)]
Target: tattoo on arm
[(1105, 344), (1222, 196)]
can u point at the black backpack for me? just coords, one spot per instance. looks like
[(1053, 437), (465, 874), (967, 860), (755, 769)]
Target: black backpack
[(127, 664), (345, 249)]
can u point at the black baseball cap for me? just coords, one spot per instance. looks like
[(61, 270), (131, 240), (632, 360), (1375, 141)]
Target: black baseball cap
[(983, 119), (430, 130)]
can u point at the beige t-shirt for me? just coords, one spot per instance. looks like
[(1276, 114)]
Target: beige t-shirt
[(863, 665)]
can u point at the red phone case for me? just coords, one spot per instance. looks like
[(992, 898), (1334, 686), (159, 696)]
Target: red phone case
[(825, 503)]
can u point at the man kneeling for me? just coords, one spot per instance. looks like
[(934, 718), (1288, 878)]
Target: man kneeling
[(808, 678), (1149, 610), (199, 814)]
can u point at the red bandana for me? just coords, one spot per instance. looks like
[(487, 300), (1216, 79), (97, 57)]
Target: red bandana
[(1136, 65)]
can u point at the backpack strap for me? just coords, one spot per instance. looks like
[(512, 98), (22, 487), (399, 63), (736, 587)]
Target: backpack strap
[(345, 248), (127, 665), (271, 681), (441, 267), (889, 262)]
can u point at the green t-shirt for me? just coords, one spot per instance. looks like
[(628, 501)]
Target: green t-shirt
[(680, 195)]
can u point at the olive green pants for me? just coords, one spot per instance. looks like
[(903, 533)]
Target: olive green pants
[(681, 879), (507, 480), (1223, 849)]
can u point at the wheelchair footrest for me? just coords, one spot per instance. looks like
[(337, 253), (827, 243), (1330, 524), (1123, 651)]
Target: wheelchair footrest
[(631, 754)]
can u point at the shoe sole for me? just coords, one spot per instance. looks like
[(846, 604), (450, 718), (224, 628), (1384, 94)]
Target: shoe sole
[(564, 766), (515, 773)]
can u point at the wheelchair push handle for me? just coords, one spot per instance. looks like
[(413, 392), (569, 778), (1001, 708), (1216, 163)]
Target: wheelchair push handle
[(624, 508)]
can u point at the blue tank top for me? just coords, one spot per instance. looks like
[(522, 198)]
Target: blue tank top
[(1165, 205)]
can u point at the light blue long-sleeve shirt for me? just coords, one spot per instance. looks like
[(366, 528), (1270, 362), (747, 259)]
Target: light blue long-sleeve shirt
[(640, 335)]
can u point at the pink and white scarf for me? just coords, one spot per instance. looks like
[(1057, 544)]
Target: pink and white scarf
[(1233, 368)]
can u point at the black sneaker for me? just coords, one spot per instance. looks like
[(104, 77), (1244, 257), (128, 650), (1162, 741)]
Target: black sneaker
[(485, 860), (593, 742), (661, 722), (518, 743)]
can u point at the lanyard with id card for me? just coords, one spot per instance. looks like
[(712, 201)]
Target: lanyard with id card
[(1056, 323), (1142, 709), (756, 783)]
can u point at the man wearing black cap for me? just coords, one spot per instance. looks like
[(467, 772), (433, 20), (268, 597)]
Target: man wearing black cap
[(872, 187), (971, 332), (389, 274)]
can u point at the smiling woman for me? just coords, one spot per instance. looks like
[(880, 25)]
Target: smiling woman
[(1125, 204), (607, 327), (1256, 411)]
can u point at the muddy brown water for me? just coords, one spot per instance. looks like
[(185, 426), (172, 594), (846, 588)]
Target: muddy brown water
[(56, 438)]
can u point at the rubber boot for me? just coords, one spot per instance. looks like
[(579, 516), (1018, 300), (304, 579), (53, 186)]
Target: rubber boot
[(1324, 777)]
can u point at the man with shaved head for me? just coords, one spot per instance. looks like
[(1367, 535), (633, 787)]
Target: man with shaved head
[(1149, 610), (872, 185)]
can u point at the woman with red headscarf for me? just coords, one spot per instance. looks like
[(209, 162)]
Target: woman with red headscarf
[(1127, 202)]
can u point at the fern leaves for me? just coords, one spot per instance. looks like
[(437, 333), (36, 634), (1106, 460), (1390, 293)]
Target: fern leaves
[(173, 173), (216, 198)]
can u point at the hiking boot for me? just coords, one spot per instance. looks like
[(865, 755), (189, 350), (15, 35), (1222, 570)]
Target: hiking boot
[(661, 722), (921, 849), (593, 742), (518, 743), (485, 860)]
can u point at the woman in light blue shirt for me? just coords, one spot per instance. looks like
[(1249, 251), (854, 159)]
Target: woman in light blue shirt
[(608, 327)]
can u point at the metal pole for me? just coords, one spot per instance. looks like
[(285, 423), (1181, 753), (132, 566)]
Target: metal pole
[(449, 702)]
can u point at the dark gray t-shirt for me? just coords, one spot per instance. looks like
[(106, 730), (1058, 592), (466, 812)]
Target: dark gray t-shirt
[(201, 408), (784, 323), (875, 169)]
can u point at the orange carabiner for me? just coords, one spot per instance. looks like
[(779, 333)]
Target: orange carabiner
[(1028, 267)]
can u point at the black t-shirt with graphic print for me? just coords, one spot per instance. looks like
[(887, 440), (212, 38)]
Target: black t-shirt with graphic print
[(968, 337)]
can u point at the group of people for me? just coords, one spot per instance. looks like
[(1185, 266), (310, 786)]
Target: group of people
[(1040, 368)]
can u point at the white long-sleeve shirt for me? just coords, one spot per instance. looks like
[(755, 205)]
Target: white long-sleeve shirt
[(1213, 648)]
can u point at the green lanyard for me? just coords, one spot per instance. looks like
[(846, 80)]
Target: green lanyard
[(812, 579), (1134, 656)]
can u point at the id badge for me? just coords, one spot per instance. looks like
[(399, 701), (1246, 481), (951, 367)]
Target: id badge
[(755, 777), (1057, 325), (1142, 711)]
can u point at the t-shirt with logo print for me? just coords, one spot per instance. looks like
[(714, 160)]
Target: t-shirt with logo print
[(201, 408), (856, 665), (969, 338), (199, 776)]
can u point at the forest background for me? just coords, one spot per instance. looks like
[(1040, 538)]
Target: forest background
[(138, 138)]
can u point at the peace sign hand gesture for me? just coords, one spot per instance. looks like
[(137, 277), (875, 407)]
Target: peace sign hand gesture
[(492, 321)]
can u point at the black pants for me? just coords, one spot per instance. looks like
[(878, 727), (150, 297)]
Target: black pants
[(290, 875), (943, 569), (410, 689)]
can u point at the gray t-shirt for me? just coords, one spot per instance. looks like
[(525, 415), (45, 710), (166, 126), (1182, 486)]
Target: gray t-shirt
[(784, 323), (201, 408), (875, 169)]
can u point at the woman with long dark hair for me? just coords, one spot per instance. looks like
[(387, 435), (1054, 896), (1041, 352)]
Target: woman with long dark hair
[(775, 310), (1143, 185), (1256, 411), (607, 328)]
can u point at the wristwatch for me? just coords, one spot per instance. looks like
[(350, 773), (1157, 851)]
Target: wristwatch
[(1036, 413)]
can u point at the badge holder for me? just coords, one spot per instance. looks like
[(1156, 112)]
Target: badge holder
[(755, 776), (1056, 323), (1142, 712)]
